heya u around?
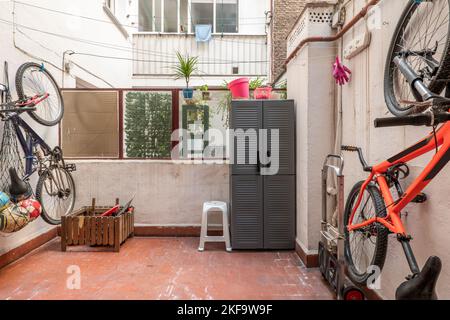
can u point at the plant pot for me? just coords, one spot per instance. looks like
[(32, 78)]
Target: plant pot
[(263, 93), (188, 93), (206, 95), (239, 88)]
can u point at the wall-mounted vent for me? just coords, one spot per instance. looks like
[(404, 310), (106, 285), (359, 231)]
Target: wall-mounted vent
[(320, 17), (235, 70)]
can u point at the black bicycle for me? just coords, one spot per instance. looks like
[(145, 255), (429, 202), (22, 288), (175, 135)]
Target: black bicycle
[(40, 96)]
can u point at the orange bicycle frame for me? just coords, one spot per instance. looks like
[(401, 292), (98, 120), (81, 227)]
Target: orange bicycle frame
[(392, 220)]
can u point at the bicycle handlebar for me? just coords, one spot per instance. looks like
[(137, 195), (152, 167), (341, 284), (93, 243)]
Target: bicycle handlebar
[(423, 119)]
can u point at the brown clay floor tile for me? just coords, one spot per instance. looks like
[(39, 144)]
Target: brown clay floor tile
[(161, 268)]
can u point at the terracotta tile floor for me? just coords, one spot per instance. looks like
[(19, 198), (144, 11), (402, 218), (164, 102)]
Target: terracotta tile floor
[(162, 268)]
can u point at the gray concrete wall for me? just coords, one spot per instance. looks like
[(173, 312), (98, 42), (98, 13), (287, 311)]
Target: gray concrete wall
[(363, 101), (165, 193)]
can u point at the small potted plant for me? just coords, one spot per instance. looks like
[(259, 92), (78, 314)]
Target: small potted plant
[(205, 92), (186, 68)]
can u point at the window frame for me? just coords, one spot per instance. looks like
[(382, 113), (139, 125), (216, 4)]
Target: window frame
[(121, 111), (176, 99), (189, 19)]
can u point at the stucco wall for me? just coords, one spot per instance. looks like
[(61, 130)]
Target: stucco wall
[(48, 47), (363, 101), (165, 193)]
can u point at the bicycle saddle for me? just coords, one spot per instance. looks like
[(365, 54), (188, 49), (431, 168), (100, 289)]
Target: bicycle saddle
[(18, 189), (423, 285)]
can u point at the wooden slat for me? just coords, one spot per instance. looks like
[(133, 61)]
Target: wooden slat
[(69, 230), (111, 231), (75, 230), (81, 230), (132, 224), (116, 235), (63, 234), (99, 231), (87, 230), (105, 222), (93, 232)]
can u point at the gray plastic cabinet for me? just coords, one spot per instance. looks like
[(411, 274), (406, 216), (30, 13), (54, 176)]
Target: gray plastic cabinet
[(262, 206)]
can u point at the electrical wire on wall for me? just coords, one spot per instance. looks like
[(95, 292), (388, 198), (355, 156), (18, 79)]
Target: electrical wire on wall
[(109, 45), (125, 49), (15, 28)]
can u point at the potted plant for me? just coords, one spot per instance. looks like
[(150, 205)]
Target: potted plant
[(186, 68), (205, 92)]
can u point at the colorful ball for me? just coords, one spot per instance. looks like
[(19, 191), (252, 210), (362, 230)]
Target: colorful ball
[(4, 201), (12, 219), (31, 207)]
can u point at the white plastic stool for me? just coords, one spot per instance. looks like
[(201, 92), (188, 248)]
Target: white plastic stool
[(218, 205)]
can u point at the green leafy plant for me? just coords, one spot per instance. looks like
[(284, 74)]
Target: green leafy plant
[(256, 83), (224, 105), (203, 88), (186, 67)]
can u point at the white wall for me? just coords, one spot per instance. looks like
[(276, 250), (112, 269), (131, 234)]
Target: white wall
[(165, 193), (50, 47), (363, 101)]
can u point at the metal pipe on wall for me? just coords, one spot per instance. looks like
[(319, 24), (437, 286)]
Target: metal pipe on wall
[(338, 35)]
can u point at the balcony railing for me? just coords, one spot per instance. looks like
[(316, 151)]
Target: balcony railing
[(227, 55)]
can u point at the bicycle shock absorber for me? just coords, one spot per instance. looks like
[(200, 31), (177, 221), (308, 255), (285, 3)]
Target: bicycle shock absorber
[(419, 89)]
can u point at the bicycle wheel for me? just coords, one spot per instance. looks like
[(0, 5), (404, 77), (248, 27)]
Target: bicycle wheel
[(365, 247), (32, 80), (423, 27), (55, 191)]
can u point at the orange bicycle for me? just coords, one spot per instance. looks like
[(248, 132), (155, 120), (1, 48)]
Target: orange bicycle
[(417, 91)]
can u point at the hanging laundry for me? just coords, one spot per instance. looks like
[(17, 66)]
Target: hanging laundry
[(203, 32)]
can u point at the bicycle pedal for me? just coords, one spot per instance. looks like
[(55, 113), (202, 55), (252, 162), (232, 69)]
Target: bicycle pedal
[(420, 198)]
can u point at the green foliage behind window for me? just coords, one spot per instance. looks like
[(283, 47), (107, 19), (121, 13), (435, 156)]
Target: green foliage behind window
[(148, 124)]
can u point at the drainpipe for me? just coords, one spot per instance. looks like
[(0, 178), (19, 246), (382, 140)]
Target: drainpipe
[(338, 35)]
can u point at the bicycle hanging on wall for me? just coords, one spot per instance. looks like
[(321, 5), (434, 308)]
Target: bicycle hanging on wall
[(417, 92), (40, 97)]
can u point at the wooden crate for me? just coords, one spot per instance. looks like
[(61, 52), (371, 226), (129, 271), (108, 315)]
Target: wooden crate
[(85, 227)]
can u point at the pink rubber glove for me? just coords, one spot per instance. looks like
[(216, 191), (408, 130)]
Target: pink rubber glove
[(341, 73)]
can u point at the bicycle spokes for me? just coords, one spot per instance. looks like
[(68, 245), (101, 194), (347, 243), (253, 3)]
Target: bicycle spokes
[(57, 195), (363, 241), (423, 43), (36, 84)]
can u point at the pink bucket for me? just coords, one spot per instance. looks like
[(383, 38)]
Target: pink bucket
[(239, 88)]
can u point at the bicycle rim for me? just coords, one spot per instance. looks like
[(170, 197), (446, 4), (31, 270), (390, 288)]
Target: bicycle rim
[(424, 26), (364, 246), (35, 81), (56, 193)]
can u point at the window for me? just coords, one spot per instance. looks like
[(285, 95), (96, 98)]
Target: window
[(150, 15), (226, 16), (90, 127), (147, 124), (202, 12), (174, 15)]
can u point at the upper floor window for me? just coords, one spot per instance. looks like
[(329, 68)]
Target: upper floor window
[(175, 15), (227, 16)]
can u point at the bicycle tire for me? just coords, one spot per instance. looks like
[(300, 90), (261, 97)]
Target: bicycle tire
[(379, 255), (22, 96), (39, 192), (436, 84)]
